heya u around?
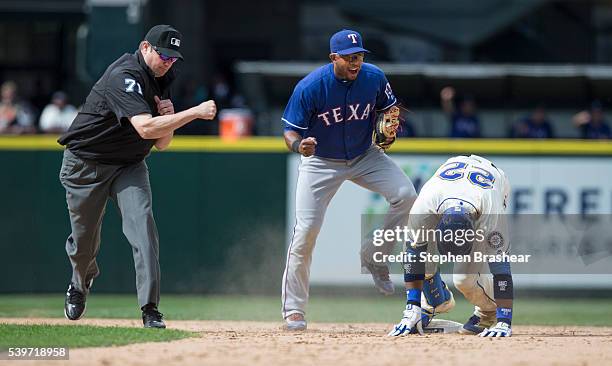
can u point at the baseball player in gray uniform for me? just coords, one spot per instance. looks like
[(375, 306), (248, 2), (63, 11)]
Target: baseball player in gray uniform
[(329, 120)]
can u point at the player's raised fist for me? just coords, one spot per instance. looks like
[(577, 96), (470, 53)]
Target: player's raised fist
[(307, 146), (207, 110)]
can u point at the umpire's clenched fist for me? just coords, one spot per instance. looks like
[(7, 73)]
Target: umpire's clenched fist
[(164, 106), (207, 110), (307, 146)]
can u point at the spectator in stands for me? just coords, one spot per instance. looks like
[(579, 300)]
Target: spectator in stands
[(193, 92), (462, 114), (224, 94), (592, 123), (406, 129), (221, 92), (16, 117), (58, 115), (534, 126)]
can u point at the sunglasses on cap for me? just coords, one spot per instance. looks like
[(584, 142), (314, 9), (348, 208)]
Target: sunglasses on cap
[(164, 57)]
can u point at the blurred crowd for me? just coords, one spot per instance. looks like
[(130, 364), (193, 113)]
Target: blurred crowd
[(225, 97), (19, 116), (464, 122)]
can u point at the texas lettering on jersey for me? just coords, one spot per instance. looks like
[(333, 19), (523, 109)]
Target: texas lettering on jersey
[(355, 111), (339, 114)]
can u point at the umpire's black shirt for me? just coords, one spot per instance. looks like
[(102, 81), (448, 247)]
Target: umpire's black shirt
[(102, 131)]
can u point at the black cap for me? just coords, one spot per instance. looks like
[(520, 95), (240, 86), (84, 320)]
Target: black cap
[(165, 39)]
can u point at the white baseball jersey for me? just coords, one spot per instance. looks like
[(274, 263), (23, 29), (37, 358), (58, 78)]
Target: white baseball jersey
[(474, 183)]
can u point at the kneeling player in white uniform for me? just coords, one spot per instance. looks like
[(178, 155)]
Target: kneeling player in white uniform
[(465, 193)]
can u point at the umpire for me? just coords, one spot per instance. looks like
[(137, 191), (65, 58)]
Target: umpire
[(127, 112)]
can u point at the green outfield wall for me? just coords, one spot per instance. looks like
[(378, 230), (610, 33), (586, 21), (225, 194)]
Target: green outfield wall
[(220, 207), (220, 215)]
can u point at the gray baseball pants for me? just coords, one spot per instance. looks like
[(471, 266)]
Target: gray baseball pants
[(318, 181), (88, 186)]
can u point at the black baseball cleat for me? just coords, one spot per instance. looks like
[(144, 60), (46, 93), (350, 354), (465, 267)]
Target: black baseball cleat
[(151, 318), (472, 326), (75, 305)]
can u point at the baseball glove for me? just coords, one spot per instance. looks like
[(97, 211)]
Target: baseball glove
[(386, 127)]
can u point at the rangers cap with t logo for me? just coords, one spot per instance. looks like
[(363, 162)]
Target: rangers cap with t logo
[(165, 39), (346, 42)]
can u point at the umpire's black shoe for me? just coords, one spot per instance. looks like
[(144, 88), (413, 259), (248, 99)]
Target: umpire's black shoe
[(151, 318), (74, 306)]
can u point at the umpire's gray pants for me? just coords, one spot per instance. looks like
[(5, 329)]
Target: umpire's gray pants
[(318, 181), (88, 186)]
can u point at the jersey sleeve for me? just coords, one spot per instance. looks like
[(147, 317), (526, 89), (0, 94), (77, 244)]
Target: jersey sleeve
[(495, 237), (385, 98), (298, 111), (124, 95), (422, 218)]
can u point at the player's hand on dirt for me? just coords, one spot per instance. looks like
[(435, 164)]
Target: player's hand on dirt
[(164, 106), (308, 146), (500, 329), (410, 323), (207, 110), (447, 93)]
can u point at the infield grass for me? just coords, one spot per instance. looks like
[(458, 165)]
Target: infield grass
[(17, 335), (527, 311)]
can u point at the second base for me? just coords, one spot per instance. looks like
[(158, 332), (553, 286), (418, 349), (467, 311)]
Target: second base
[(442, 326)]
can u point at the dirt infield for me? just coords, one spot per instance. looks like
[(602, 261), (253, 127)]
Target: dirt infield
[(256, 343)]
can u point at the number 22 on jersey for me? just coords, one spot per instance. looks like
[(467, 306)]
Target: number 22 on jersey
[(477, 176)]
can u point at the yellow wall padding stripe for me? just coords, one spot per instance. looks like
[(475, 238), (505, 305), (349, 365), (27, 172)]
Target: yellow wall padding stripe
[(503, 147), (411, 146), (215, 144), (35, 142)]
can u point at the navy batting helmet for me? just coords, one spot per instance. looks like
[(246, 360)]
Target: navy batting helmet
[(452, 229)]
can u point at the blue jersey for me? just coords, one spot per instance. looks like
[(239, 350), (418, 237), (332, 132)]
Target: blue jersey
[(535, 130), (339, 114), (593, 131), (464, 126)]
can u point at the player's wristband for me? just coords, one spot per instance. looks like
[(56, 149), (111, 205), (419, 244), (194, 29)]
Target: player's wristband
[(295, 146), (504, 315), (413, 296)]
